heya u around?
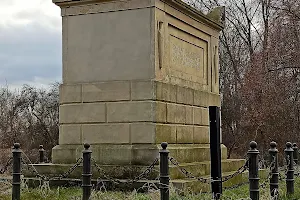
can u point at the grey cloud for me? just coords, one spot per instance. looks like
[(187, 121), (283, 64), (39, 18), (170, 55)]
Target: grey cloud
[(29, 52), (7, 2)]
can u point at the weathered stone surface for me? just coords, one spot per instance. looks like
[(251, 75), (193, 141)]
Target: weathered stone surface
[(165, 133), (131, 111), (189, 115), (180, 114), (214, 99), (160, 110), (185, 95), (142, 133), (107, 91), (121, 53), (201, 135), (65, 154), (82, 113), (133, 78), (70, 134), (171, 113), (144, 154), (106, 133), (70, 93), (205, 117), (176, 113), (201, 98), (121, 154), (166, 92), (184, 134), (143, 90), (197, 115)]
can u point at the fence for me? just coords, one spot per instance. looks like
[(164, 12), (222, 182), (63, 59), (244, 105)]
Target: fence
[(216, 179), (251, 164)]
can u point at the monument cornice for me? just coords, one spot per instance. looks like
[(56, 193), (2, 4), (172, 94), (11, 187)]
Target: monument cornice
[(212, 18)]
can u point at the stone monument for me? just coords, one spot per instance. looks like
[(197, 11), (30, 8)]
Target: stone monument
[(137, 73)]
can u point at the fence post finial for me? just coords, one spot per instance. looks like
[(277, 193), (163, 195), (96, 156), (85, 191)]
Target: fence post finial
[(86, 172), (16, 183), (253, 171), (42, 154), (164, 172)]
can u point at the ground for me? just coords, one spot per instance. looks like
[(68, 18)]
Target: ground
[(46, 193)]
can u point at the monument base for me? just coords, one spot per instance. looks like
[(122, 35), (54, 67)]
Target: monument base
[(106, 154), (126, 173)]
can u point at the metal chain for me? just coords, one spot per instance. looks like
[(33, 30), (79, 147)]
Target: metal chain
[(241, 170), (281, 177), (297, 169), (144, 174), (59, 177), (31, 168), (67, 173), (262, 162), (287, 164), (188, 174), (5, 168), (236, 186), (270, 174)]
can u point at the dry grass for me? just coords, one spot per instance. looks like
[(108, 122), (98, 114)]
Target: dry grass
[(44, 192)]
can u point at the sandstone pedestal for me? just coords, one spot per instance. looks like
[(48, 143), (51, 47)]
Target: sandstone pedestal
[(137, 73)]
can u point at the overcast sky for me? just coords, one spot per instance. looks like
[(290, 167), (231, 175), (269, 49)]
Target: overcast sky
[(30, 42)]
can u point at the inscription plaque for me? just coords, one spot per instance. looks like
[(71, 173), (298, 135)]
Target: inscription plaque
[(188, 56), (185, 54)]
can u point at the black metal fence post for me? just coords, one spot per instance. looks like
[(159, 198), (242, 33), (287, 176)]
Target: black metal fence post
[(290, 171), (215, 151), (16, 182), (253, 171), (295, 154), (86, 173), (42, 154), (164, 172), (274, 170)]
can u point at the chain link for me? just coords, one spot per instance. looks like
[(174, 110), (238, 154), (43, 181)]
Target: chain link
[(297, 169), (67, 173), (5, 168), (270, 174), (144, 174), (188, 174), (31, 168), (241, 170)]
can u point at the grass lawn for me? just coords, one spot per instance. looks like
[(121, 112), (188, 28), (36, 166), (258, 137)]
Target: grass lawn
[(241, 192)]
